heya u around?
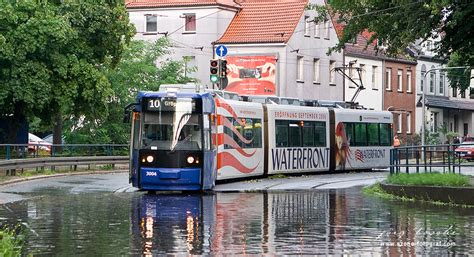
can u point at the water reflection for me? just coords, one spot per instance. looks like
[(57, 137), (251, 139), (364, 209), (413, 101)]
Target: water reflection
[(316, 222), (323, 222)]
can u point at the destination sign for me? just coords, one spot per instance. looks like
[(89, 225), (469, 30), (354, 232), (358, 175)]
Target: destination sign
[(166, 104)]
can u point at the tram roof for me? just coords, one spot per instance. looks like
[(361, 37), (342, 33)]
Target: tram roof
[(178, 94)]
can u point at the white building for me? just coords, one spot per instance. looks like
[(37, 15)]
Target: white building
[(370, 63), (274, 48), (191, 26), (445, 106)]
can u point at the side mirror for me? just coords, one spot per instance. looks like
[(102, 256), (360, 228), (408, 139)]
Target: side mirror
[(126, 117)]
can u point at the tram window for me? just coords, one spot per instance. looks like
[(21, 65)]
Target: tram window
[(350, 133), (385, 134), (281, 133), (136, 130), (249, 129), (360, 130), (295, 133), (308, 133), (228, 131), (320, 133), (206, 132), (248, 133), (257, 133), (373, 133)]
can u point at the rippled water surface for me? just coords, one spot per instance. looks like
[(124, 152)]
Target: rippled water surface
[(314, 222)]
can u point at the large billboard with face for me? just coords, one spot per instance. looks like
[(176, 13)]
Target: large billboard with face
[(251, 75)]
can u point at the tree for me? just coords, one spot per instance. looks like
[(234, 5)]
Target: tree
[(459, 78), (137, 70), (398, 23), (52, 58)]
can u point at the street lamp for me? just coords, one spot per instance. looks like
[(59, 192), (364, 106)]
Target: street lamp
[(423, 98)]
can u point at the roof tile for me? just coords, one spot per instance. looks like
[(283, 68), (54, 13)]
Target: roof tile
[(264, 21), (173, 3)]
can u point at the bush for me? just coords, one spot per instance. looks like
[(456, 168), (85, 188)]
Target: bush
[(10, 244)]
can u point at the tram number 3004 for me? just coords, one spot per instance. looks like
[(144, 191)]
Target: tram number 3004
[(151, 173)]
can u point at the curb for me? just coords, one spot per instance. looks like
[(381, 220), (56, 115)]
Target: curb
[(37, 177), (456, 195)]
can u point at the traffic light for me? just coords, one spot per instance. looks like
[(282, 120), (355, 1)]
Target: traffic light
[(214, 69), (223, 68)]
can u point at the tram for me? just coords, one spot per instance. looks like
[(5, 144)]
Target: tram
[(171, 144), (189, 140)]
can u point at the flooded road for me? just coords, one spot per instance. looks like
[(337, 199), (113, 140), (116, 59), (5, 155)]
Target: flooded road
[(64, 222)]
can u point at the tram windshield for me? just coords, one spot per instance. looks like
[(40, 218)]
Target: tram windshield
[(161, 131), (178, 130)]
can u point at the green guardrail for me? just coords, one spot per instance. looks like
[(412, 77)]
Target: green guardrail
[(431, 158), (23, 151)]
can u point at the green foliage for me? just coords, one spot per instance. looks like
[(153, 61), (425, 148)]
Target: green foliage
[(10, 243), (459, 78), (53, 54), (398, 23), (137, 70), (431, 179), (376, 190)]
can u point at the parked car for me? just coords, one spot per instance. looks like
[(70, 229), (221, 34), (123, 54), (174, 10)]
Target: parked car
[(466, 150), (36, 144)]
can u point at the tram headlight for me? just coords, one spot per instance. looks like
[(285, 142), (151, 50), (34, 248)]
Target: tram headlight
[(190, 159), (150, 158)]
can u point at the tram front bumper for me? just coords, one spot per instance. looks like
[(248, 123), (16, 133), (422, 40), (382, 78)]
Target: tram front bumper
[(160, 179)]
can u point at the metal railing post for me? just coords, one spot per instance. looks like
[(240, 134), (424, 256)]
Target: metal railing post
[(406, 160), (392, 161), (424, 157), (417, 154)]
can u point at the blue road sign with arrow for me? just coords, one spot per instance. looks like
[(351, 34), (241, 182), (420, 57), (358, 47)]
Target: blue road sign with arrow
[(221, 50)]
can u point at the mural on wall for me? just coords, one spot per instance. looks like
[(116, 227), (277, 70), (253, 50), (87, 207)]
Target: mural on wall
[(251, 75)]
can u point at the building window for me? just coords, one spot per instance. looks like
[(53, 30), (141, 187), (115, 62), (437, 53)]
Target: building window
[(463, 93), (408, 122), (374, 77), (316, 70), (388, 78), (332, 72), (189, 22), (400, 80), (432, 80), (422, 81), (409, 81), (306, 25), (317, 29), (299, 68), (151, 23), (362, 73), (399, 125), (351, 74), (326, 29), (429, 45), (455, 92), (441, 84)]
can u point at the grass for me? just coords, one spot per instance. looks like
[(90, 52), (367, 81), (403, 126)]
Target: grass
[(429, 179), (10, 244), (376, 190)]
